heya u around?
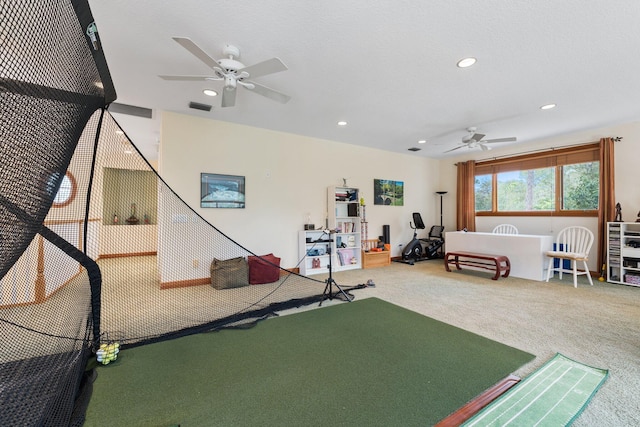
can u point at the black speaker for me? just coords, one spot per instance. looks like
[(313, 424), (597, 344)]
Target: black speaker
[(385, 234)]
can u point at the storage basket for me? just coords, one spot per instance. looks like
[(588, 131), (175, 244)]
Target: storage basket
[(632, 278)]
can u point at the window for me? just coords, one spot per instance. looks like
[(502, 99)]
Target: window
[(556, 182), (527, 190), (580, 186), (67, 191), (484, 193)]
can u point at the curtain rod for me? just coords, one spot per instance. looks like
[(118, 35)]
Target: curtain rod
[(615, 139)]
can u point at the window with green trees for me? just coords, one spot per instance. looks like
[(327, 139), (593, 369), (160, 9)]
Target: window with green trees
[(558, 182), (484, 193), (581, 186)]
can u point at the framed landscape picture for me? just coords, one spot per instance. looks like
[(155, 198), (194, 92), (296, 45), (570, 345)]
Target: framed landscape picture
[(221, 191), (388, 192)]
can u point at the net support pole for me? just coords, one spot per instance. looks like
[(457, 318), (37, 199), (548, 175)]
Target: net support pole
[(93, 271)]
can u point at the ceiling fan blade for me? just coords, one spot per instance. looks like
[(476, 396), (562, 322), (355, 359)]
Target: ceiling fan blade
[(265, 91), (477, 137), (453, 149), (189, 78), (489, 141), (273, 65), (188, 44), (228, 97)]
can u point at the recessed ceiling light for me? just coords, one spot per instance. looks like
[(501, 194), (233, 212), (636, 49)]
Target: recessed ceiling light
[(548, 106), (210, 92), (422, 141), (466, 62), (342, 123)]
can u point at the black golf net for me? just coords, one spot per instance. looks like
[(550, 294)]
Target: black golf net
[(94, 247)]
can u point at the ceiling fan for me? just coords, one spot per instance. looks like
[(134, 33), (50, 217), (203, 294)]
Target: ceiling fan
[(233, 73), (474, 139)]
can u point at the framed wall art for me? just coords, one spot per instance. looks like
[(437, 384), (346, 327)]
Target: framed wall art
[(221, 191), (388, 192)]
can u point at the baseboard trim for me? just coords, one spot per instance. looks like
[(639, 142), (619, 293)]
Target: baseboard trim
[(185, 283), (207, 281), (127, 255)]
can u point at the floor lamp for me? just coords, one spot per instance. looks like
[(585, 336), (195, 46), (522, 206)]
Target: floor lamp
[(441, 193)]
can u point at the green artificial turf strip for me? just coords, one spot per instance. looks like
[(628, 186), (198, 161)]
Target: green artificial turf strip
[(553, 395), (363, 363)]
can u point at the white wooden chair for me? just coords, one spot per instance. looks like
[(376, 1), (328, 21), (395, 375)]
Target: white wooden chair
[(573, 244), (505, 229)]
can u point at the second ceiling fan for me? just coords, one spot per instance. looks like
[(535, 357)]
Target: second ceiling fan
[(474, 139), (233, 73)]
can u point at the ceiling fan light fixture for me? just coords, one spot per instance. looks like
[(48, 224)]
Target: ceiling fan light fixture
[(210, 92), (548, 106), (232, 72), (466, 62), (229, 83)]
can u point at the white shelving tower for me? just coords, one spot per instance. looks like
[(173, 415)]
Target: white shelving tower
[(343, 215), (314, 247), (623, 253)]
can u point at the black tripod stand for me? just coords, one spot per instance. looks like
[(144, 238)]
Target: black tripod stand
[(328, 289)]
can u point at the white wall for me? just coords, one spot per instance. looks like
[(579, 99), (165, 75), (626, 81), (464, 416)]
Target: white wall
[(287, 178)]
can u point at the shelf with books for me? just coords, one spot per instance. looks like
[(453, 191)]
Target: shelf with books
[(343, 216), (315, 248)]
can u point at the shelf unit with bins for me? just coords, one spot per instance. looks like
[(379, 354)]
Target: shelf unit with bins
[(623, 253), (343, 215), (315, 249)]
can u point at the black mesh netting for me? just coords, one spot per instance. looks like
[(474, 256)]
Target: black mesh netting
[(108, 253)]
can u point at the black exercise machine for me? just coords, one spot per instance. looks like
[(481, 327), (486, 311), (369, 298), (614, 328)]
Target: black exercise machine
[(423, 249)]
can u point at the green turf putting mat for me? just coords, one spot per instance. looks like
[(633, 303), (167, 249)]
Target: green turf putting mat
[(554, 395), (363, 363)]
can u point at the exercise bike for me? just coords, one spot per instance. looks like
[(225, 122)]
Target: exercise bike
[(422, 249)]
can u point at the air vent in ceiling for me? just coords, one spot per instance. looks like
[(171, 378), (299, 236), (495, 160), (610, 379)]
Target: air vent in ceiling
[(414, 149), (198, 106), (131, 110)]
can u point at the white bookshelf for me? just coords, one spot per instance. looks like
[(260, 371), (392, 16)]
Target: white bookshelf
[(314, 250), (623, 253), (343, 215)]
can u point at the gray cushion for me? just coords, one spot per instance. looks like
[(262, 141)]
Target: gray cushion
[(229, 273)]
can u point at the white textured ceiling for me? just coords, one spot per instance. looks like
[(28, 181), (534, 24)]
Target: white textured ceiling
[(386, 67)]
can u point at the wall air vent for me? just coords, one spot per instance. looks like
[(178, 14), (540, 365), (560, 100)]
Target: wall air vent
[(414, 149), (198, 106)]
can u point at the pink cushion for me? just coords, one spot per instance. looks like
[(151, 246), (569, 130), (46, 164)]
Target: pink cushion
[(263, 269)]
